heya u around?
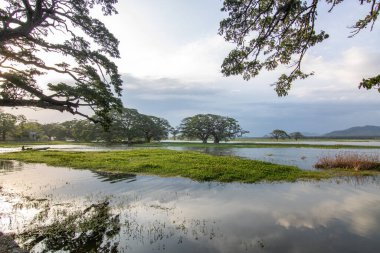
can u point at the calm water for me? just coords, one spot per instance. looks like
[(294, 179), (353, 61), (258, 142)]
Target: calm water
[(152, 214), (304, 158)]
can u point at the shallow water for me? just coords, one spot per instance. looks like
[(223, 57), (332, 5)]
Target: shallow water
[(180, 215), (304, 158)]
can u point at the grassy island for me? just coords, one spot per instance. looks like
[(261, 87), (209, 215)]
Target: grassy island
[(169, 163)]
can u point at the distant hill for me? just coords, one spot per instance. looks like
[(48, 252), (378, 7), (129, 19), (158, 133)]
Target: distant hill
[(363, 131)]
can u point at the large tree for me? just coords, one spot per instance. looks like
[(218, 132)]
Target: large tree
[(268, 33), (205, 126), (62, 39), (153, 127), (198, 126), (278, 133), (124, 126)]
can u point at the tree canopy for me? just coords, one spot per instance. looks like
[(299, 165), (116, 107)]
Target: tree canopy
[(278, 133), (62, 39), (205, 126), (268, 33)]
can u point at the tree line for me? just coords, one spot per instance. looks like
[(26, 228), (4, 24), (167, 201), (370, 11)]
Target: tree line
[(127, 125)]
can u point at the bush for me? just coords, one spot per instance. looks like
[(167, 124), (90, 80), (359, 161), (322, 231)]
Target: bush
[(349, 161)]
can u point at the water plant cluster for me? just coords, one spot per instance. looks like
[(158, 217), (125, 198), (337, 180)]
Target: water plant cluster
[(349, 160)]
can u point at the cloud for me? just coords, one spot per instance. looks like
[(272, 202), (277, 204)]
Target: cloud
[(337, 78), (197, 60)]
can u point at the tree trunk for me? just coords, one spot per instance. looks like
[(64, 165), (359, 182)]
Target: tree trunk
[(3, 135), (216, 140), (204, 141)]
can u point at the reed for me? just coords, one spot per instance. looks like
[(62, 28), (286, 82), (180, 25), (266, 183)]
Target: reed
[(349, 160)]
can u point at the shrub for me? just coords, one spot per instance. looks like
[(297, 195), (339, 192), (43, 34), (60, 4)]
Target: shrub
[(349, 161)]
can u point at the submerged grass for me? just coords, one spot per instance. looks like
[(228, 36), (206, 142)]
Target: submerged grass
[(169, 163)]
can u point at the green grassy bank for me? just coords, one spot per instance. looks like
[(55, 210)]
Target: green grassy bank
[(168, 163)]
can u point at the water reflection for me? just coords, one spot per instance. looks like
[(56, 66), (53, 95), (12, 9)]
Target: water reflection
[(114, 177), (304, 158), (148, 214), (9, 166), (83, 231)]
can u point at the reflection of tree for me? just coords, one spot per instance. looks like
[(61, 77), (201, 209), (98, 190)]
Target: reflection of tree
[(8, 166), (83, 231), (160, 233), (114, 177)]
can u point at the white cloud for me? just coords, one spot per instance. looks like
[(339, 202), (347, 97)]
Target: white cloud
[(198, 60), (338, 78)]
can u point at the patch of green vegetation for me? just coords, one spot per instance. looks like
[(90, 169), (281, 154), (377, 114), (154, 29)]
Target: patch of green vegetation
[(169, 163)]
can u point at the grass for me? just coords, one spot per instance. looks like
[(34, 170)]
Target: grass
[(169, 163), (358, 162)]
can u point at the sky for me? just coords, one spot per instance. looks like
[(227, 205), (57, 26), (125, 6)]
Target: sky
[(171, 55)]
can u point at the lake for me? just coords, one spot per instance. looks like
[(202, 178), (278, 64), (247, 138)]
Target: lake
[(152, 214), (304, 158)]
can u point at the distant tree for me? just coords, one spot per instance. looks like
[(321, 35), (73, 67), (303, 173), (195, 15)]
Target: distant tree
[(278, 133), (27, 31), (55, 130), (7, 124), (268, 33), (174, 131), (30, 130), (205, 126), (80, 130), (296, 135), (198, 126), (225, 128), (124, 126), (154, 127)]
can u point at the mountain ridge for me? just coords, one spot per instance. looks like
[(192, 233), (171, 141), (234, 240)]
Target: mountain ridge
[(357, 131)]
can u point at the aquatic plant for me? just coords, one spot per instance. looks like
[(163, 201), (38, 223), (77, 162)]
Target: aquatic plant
[(81, 231), (349, 160)]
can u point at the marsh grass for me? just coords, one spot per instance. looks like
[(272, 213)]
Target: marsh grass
[(169, 163), (348, 160)]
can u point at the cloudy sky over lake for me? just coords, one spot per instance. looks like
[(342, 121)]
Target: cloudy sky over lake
[(170, 61)]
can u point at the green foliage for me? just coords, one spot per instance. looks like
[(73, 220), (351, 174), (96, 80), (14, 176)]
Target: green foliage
[(171, 163), (278, 133), (269, 33), (371, 83), (26, 33), (205, 126), (154, 127), (296, 135), (7, 124)]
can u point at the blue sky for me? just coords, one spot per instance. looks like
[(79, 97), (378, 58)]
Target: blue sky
[(171, 56)]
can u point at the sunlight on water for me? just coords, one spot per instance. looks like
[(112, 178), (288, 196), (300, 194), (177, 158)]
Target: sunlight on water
[(148, 214)]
